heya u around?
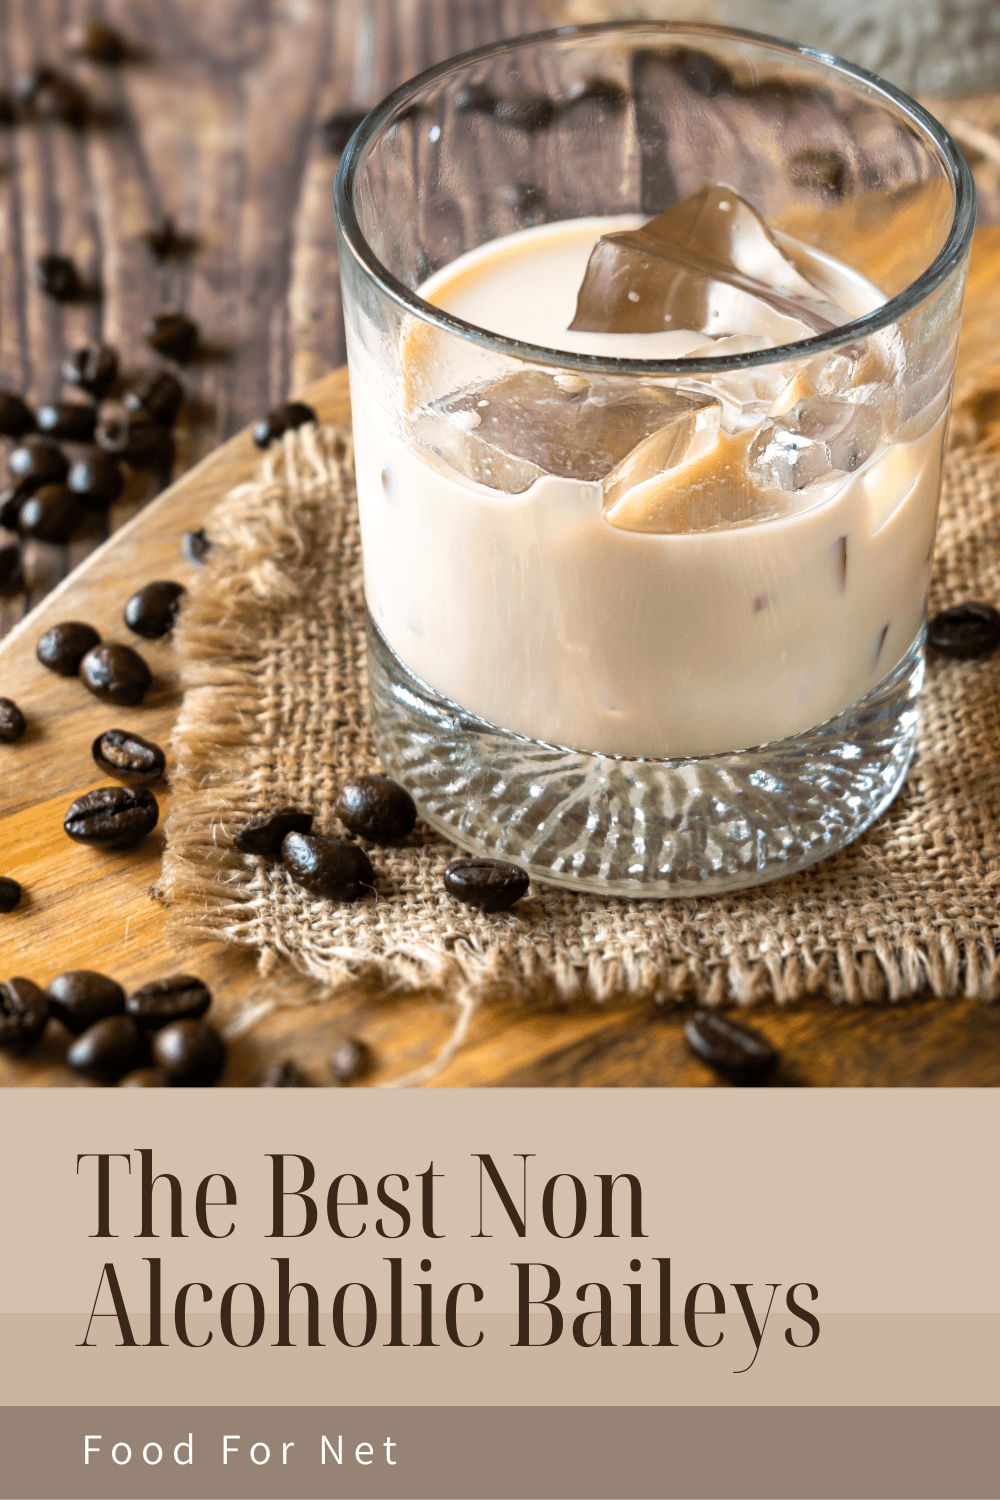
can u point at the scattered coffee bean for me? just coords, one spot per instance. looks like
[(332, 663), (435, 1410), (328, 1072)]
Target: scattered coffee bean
[(96, 480), (51, 95), (12, 724), (99, 43), (15, 416), (376, 808), (191, 1053), (327, 867), (196, 546), (56, 275), (10, 505), (284, 1075), (94, 369), (965, 631), (51, 514), (138, 440), (152, 611), (284, 418), (476, 99), (180, 997), (144, 1078), (338, 128), (67, 421), (63, 646), (737, 1053), (490, 884), (529, 113), (160, 394), (112, 817), (263, 834), (24, 1011), (127, 757), (349, 1060), (10, 893), (38, 461), (116, 673), (80, 997), (163, 239), (172, 335), (108, 1050), (10, 559)]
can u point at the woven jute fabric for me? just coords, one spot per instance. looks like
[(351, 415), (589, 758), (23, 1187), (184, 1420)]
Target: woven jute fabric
[(271, 642)]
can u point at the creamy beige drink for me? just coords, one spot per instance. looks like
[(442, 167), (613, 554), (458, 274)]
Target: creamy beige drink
[(668, 567)]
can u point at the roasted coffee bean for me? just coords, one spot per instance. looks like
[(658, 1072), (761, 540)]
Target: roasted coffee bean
[(56, 275), (10, 559), (965, 631), (10, 893), (51, 514), (144, 1078), (112, 817), (527, 112), (191, 1053), (138, 440), (152, 611), (96, 480), (108, 1050), (180, 997), (338, 128), (172, 335), (12, 725), (98, 42), (284, 1075), (38, 461), (127, 757), (327, 867), (737, 1053), (51, 95), (15, 416), (10, 505), (160, 394), (63, 646), (80, 997), (24, 1011), (116, 673), (94, 369), (67, 421), (604, 92), (349, 1060), (196, 546), (476, 99), (490, 884), (376, 808), (284, 418), (264, 833)]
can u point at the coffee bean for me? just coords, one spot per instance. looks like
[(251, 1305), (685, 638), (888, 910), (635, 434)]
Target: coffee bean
[(112, 817), (10, 505), (51, 95), (490, 884), (529, 113), (338, 128), (737, 1053), (180, 997), (173, 335), (80, 997), (476, 99), (108, 1050), (327, 867), (127, 757), (68, 421), (163, 239), (376, 808), (191, 1053), (96, 480), (56, 275), (604, 92), (63, 646), (284, 1075), (93, 368), (100, 43), (152, 611), (138, 440), (38, 462), (965, 631), (349, 1060), (144, 1078), (51, 514), (284, 418), (160, 394), (196, 546), (12, 725), (15, 417), (263, 834), (10, 560), (116, 673), (10, 893), (24, 1011)]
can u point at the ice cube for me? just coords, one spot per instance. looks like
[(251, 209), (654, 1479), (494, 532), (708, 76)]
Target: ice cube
[(813, 438), (708, 263), (507, 433)]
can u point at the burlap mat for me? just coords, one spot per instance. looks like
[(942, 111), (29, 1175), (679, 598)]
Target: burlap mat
[(271, 642)]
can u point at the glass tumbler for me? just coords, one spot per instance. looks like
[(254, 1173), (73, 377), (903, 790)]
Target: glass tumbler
[(647, 540)]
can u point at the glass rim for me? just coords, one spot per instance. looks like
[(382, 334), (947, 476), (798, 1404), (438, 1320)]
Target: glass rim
[(946, 260)]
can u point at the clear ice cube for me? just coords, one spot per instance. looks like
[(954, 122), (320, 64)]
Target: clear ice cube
[(814, 438), (708, 263), (507, 433)]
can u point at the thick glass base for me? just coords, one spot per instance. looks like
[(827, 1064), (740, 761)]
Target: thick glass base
[(644, 828)]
